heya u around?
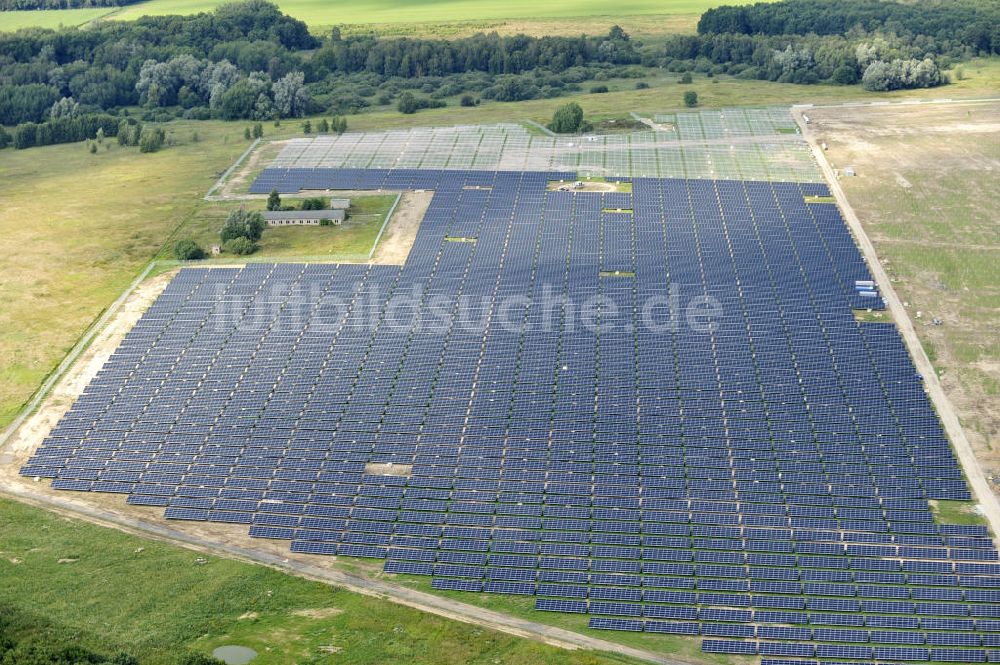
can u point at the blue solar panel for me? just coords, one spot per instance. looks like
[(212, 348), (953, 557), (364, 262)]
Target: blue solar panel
[(780, 465)]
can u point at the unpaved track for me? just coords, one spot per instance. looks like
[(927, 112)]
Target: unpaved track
[(401, 232), (988, 502)]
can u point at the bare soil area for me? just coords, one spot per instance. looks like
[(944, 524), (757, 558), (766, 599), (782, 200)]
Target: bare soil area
[(925, 191), (398, 238)]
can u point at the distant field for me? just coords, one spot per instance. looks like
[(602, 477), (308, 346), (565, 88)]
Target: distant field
[(323, 12), (51, 18)]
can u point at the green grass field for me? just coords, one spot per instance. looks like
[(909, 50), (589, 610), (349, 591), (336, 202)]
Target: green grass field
[(84, 226), (66, 581), (957, 512), (51, 18), (684, 648)]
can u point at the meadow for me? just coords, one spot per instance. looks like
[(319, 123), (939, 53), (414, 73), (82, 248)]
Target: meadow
[(81, 240), (69, 582)]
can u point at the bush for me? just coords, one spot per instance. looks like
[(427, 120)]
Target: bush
[(240, 246), (468, 100), (567, 119), (197, 113), (325, 222), (199, 659), (151, 139), (641, 85), (686, 78), (129, 131), (317, 203), (690, 99), (407, 103), (188, 250), (598, 89)]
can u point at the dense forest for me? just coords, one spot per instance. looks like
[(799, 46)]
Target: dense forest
[(884, 45), (249, 61), (972, 23)]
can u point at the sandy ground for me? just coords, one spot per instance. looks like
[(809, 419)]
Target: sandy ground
[(587, 186), (923, 188), (398, 238)]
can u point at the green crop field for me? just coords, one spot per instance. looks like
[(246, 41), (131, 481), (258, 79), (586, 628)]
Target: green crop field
[(320, 12), (69, 582), (51, 18)]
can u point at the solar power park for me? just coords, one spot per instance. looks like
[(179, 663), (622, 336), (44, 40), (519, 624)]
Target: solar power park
[(738, 144), (536, 404)]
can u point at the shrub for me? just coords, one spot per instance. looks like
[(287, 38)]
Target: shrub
[(567, 119), (240, 246), (407, 103), (317, 203), (199, 659), (188, 250), (598, 89), (468, 100), (686, 78), (151, 139), (690, 99), (325, 222), (641, 85)]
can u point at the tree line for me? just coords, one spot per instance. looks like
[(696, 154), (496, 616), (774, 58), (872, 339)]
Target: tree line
[(246, 60), (489, 53), (970, 23), (249, 61), (883, 45)]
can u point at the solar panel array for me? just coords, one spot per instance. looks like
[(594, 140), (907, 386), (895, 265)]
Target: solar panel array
[(743, 144), (668, 419)]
